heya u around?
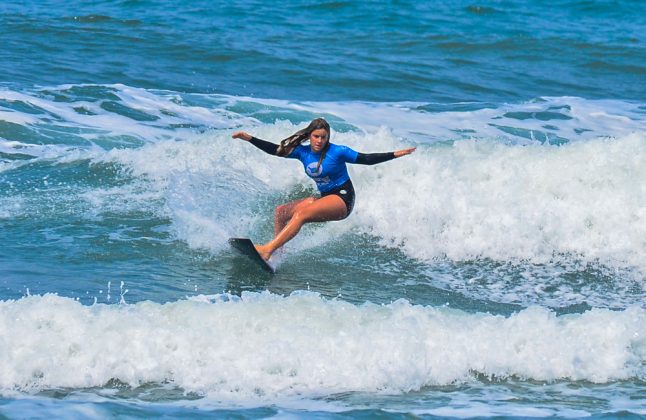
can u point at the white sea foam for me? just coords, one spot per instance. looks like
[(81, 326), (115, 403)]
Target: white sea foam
[(486, 193), (166, 114), (484, 199), (266, 346), (46, 151), (542, 120), (211, 184), (468, 200)]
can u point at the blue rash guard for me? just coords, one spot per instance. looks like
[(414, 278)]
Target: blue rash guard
[(332, 176), (332, 173)]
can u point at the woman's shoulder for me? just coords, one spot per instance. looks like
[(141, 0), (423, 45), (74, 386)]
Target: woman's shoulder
[(340, 149), (298, 152)]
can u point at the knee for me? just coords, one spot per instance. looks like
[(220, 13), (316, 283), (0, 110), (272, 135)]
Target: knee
[(301, 216), (302, 206)]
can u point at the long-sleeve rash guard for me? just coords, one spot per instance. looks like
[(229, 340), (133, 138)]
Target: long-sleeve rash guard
[(332, 173)]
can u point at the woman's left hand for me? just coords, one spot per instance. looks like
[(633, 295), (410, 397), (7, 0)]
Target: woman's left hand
[(404, 152)]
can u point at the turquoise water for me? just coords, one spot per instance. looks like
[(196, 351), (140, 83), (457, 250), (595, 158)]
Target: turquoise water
[(498, 271)]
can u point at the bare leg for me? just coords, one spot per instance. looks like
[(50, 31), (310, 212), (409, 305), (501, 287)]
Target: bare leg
[(324, 209), (284, 212)]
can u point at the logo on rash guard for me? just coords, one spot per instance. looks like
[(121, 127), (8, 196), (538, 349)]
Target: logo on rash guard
[(311, 169)]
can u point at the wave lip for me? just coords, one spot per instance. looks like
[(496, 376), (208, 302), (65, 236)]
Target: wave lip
[(264, 345)]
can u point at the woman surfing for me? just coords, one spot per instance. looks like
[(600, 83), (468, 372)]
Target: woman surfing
[(325, 163)]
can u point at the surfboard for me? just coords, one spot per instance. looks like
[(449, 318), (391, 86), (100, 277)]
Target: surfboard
[(246, 248)]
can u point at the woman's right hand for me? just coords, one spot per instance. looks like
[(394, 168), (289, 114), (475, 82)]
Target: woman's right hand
[(241, 135), (404, 152)]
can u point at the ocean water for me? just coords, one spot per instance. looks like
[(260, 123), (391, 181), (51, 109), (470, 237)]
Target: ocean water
[(499, 271)]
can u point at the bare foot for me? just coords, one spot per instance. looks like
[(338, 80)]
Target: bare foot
[(263, 251)]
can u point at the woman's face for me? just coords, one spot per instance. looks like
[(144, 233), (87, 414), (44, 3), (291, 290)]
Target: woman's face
[(318, 139)]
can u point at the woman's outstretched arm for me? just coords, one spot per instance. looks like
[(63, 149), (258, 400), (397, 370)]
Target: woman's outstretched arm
[(263, 145), (374, 158)]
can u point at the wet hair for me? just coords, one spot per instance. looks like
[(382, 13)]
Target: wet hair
[(290, 143)]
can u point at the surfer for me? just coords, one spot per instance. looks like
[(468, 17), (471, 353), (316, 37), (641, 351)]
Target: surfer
[(325, 163)]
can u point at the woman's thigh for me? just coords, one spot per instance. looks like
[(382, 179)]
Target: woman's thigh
[(324, 209), (287, 210)]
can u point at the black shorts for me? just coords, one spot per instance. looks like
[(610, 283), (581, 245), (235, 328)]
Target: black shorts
[(346, 193)]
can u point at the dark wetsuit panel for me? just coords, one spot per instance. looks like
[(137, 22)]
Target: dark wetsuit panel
[(265, 146), (373, 158), (346, 193)]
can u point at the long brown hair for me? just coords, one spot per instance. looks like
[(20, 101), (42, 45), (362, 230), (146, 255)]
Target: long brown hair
[(290, 143)]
